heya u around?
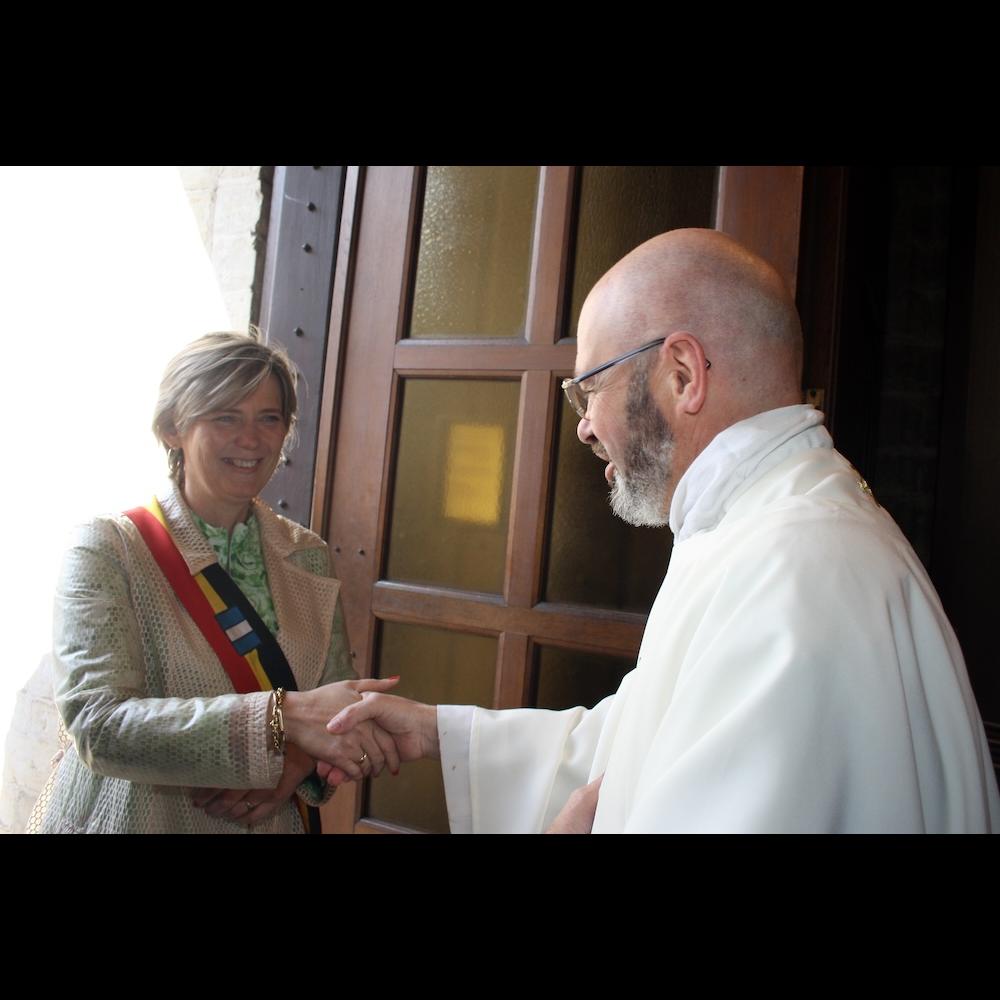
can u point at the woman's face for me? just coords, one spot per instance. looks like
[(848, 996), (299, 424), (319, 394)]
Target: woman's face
[(229, 455)]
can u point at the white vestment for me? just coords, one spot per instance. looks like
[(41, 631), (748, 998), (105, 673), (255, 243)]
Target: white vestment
[(797, 674)]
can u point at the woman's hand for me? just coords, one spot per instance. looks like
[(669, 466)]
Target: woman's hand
[(360, 753), (248, 806)]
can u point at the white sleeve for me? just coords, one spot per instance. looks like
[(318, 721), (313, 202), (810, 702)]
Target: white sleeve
[(512, 771)]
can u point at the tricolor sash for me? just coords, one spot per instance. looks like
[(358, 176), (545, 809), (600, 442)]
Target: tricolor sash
[(248, 651)]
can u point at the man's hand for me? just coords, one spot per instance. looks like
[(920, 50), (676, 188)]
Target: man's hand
[(412, 726), (577, 816)]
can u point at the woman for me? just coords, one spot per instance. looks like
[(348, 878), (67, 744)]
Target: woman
[(184, 712)]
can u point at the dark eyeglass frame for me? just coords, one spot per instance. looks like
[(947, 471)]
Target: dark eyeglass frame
[(578, 398)]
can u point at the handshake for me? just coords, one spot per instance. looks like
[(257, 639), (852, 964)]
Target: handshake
[(353, 729), (346, 731)]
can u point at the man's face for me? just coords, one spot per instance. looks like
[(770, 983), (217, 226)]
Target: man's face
[(643, 476), (624, 427)]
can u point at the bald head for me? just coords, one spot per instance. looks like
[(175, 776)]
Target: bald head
[(703, 282), (732, 348)]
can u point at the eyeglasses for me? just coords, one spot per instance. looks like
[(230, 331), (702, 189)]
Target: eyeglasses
[(575, 394)]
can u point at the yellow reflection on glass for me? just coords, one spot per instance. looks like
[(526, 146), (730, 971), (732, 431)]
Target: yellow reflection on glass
[(474, 258), (621, 207), (438, 667), (474, 473), (451, 498), (594, 557), (565, 678)]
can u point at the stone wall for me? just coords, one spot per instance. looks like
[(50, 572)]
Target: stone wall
[(230, 205), (31, 744)]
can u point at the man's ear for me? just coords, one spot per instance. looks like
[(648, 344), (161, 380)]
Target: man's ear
[(685, 370)]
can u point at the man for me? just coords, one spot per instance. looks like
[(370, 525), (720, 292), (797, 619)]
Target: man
[(797, 672)]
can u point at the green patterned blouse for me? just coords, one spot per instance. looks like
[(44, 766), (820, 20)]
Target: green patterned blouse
[(242, 557)]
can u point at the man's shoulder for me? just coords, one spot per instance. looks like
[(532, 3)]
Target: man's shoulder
[(825, 532), (832, 542), (815, 504)]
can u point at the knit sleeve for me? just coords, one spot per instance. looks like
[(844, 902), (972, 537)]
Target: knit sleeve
[(111, 649)]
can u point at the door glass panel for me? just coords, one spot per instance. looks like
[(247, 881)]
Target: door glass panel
[(438, 667), (451, 501), (594, 557), (565, 678), (474, 256), (621, 207)]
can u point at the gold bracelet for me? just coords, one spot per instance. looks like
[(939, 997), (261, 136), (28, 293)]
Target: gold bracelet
[(277, 723)]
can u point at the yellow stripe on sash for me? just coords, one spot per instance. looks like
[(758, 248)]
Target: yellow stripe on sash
[(157, 511), (258, 670), (218, 604)]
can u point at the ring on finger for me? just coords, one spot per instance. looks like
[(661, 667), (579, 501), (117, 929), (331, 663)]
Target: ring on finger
[(364, 758), (250, 805)]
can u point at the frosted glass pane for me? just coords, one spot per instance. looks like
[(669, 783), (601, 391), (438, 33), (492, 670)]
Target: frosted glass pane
[(621, 207), (438, 667), (451, 501), (566, 678), (594, 557), (474, 256)]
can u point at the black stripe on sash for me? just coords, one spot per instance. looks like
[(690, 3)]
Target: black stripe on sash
[(271, 656)]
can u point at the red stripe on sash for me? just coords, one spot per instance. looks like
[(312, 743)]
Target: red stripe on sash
[(164, 551)]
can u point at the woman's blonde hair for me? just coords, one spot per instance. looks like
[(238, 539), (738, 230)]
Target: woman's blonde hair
[(215, 372)]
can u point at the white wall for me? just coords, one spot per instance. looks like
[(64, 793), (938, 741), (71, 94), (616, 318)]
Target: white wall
[(105, 272)]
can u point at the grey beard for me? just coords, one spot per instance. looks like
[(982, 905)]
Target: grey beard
[(638, 499), (639, 493)]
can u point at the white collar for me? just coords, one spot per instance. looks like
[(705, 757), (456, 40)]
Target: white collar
[(746, 449)]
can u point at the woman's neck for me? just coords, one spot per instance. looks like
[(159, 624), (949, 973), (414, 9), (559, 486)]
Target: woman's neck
[(213, 512)]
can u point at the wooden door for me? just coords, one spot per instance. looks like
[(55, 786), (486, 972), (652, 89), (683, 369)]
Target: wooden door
[(471, 531)]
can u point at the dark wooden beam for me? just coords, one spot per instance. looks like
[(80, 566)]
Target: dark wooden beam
[(295, 309)]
